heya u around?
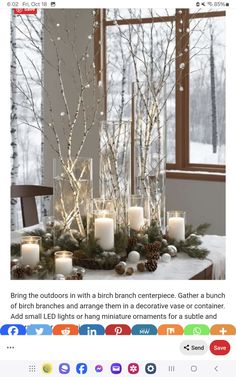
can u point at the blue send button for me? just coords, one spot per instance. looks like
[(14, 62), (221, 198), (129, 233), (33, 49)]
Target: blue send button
[(13, 330), (91, 330), (144, 330), (39, 330)]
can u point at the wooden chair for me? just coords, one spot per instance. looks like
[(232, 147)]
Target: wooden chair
[(27, 194)]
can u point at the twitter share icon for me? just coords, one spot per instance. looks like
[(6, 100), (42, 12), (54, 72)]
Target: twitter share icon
[(39, 330)]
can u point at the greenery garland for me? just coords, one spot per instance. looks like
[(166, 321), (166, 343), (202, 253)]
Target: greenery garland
[(191, 245), (88, 253)]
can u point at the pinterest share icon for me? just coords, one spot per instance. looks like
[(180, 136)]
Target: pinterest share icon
[(118, 330)]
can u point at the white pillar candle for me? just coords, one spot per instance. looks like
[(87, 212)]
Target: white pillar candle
[(136, 217), (104, 232), (176, 228), (63, 265), (30, 254)]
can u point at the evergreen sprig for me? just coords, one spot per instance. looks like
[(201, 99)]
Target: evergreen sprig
[(15, 250), (195, 251), (200, 229), (91, 247), (192, 247), (154, 232), (121, 243)]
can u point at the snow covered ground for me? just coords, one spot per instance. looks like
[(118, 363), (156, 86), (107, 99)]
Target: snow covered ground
[(203, 154)]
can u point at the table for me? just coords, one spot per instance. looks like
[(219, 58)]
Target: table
[(181, 267)]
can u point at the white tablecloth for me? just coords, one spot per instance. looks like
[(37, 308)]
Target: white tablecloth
[(181, 267), (216, 246)]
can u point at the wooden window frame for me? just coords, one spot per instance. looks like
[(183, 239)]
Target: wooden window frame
[(182, 168)]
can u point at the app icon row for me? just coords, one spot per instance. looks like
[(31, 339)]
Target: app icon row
[(117, 329), (114, 368)]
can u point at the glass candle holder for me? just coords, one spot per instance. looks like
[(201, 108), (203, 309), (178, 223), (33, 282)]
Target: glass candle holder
[(115, 166), (102, 204), (102, 223), (30, 250), (150, 147), (72, 189), (138, 212), (176, 225), (63, 262)]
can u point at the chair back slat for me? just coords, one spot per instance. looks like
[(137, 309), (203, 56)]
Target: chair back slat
[(27, 194), (29, 211), (22, 191)]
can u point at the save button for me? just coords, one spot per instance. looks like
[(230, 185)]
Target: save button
[(220, 347)]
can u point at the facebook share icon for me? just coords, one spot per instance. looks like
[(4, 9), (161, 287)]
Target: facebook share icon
[(13, 330), (81, 368)]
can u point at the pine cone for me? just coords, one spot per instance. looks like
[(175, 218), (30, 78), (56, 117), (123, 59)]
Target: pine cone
[(151, 265), (18, 272), (132, 243), (152, 250), (77, 276), (153, 255), (166, 237)]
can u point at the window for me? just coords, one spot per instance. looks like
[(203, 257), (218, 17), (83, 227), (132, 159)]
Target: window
[(26, 139), (182, 52)]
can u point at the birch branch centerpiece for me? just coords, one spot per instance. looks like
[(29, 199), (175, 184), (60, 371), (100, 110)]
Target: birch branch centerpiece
[(71, 106)]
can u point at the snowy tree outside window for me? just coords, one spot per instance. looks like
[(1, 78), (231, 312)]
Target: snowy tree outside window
[(206, 92), (153, 46), (26, 140)]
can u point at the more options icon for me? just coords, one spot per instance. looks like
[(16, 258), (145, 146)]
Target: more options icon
[(150, 368)]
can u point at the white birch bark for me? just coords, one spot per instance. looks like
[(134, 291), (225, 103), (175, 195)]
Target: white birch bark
[(13, 118)]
